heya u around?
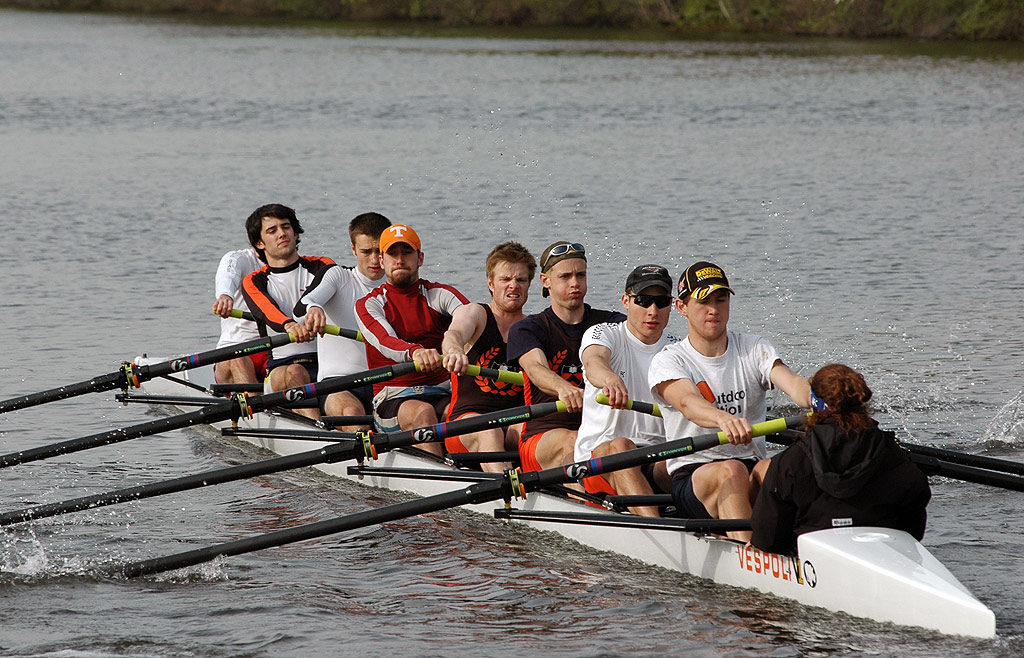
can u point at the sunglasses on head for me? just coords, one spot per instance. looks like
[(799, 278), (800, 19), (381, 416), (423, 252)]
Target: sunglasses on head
[(661, 301), (561, 250)]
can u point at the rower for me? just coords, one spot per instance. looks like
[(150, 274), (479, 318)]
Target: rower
[(233, 267), (331, 299), (479, 335), (547, 346), (616, 357), (716, 378), (272, 292), (845, 471), (404, 320)]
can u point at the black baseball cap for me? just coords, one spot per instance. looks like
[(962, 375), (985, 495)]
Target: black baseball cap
[(645, 276)]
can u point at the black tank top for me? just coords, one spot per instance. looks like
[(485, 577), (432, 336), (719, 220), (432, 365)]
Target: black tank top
[(562, 349), (481, 394)]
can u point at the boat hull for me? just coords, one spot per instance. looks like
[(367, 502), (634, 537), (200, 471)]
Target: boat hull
[(875, 573)]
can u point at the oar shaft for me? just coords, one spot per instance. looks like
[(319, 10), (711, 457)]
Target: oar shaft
[(480, 492), (314, 530), (967, 459), (185, 483), (934, 466), (131, 375), (230, 409)]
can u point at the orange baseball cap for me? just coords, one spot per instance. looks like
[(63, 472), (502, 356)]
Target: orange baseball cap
[(399, 233)]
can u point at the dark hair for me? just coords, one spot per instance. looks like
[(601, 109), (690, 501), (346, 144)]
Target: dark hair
[(368, 223), (846, 393), (254, 223), (511, 252)]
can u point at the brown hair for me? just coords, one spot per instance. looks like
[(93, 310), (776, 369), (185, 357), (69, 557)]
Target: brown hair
[(846, 393), (511, 252), (369, 223)]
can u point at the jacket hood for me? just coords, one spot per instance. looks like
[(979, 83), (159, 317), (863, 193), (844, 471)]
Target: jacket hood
[(843, 463)]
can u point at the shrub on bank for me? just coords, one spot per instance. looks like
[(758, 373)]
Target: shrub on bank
[(933, 19)]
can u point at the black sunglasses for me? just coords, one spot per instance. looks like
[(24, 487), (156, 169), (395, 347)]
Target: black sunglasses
[(661, 301), (561, 250)]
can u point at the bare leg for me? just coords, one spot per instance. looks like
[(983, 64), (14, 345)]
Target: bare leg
[(290, 376), (417, 413), (492, 440), (345, 403), (556, 448), (628, 481), (236, 371), (723, 488)]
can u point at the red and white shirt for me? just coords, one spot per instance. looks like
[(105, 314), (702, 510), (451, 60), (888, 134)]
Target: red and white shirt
[(398, 321)]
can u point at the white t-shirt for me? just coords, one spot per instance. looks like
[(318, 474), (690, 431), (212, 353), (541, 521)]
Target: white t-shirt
[(630, 359), (735, 382), (233, 267), (336, 293)]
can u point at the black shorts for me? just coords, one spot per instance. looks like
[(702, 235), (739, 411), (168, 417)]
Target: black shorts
[(386, 413), (688, 506), (364, 394), (307, 361)]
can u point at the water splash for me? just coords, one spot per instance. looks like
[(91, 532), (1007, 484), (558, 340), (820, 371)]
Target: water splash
[(1007, 426)]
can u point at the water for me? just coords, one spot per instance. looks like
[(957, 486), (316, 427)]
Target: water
[(866, 200)]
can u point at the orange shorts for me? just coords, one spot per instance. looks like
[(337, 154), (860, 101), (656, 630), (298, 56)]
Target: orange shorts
[(596, 484), (454, 443), (528, 453)]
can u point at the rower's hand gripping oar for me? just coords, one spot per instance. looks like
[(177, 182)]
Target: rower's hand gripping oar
[(232, 408), (131, 375), (328, 329), (345, 449), (513, 484)]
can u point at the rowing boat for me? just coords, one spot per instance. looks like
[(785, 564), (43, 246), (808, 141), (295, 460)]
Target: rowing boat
[(875, 573)]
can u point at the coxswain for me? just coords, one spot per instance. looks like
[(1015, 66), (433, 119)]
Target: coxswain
[(845, 471)]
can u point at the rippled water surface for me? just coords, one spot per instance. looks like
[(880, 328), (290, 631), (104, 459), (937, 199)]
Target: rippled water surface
[(866, 200)]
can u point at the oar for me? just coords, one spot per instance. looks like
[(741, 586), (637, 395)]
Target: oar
[(328, 329), (228, 409), (932, 465), (131, 375), (350, 449), (512, 484), (634, 405)]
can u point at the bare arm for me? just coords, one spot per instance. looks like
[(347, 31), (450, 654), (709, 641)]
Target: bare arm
[(792, 384), (595, 360), (683, 395), (468, 323), (535, 365)]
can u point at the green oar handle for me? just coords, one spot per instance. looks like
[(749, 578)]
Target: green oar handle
[(329, 329), (131, 375), (507, 376), (634, 405), (230, 409), (481, 492)]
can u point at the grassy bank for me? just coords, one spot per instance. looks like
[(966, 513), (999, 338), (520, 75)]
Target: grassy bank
[(930, 19)]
